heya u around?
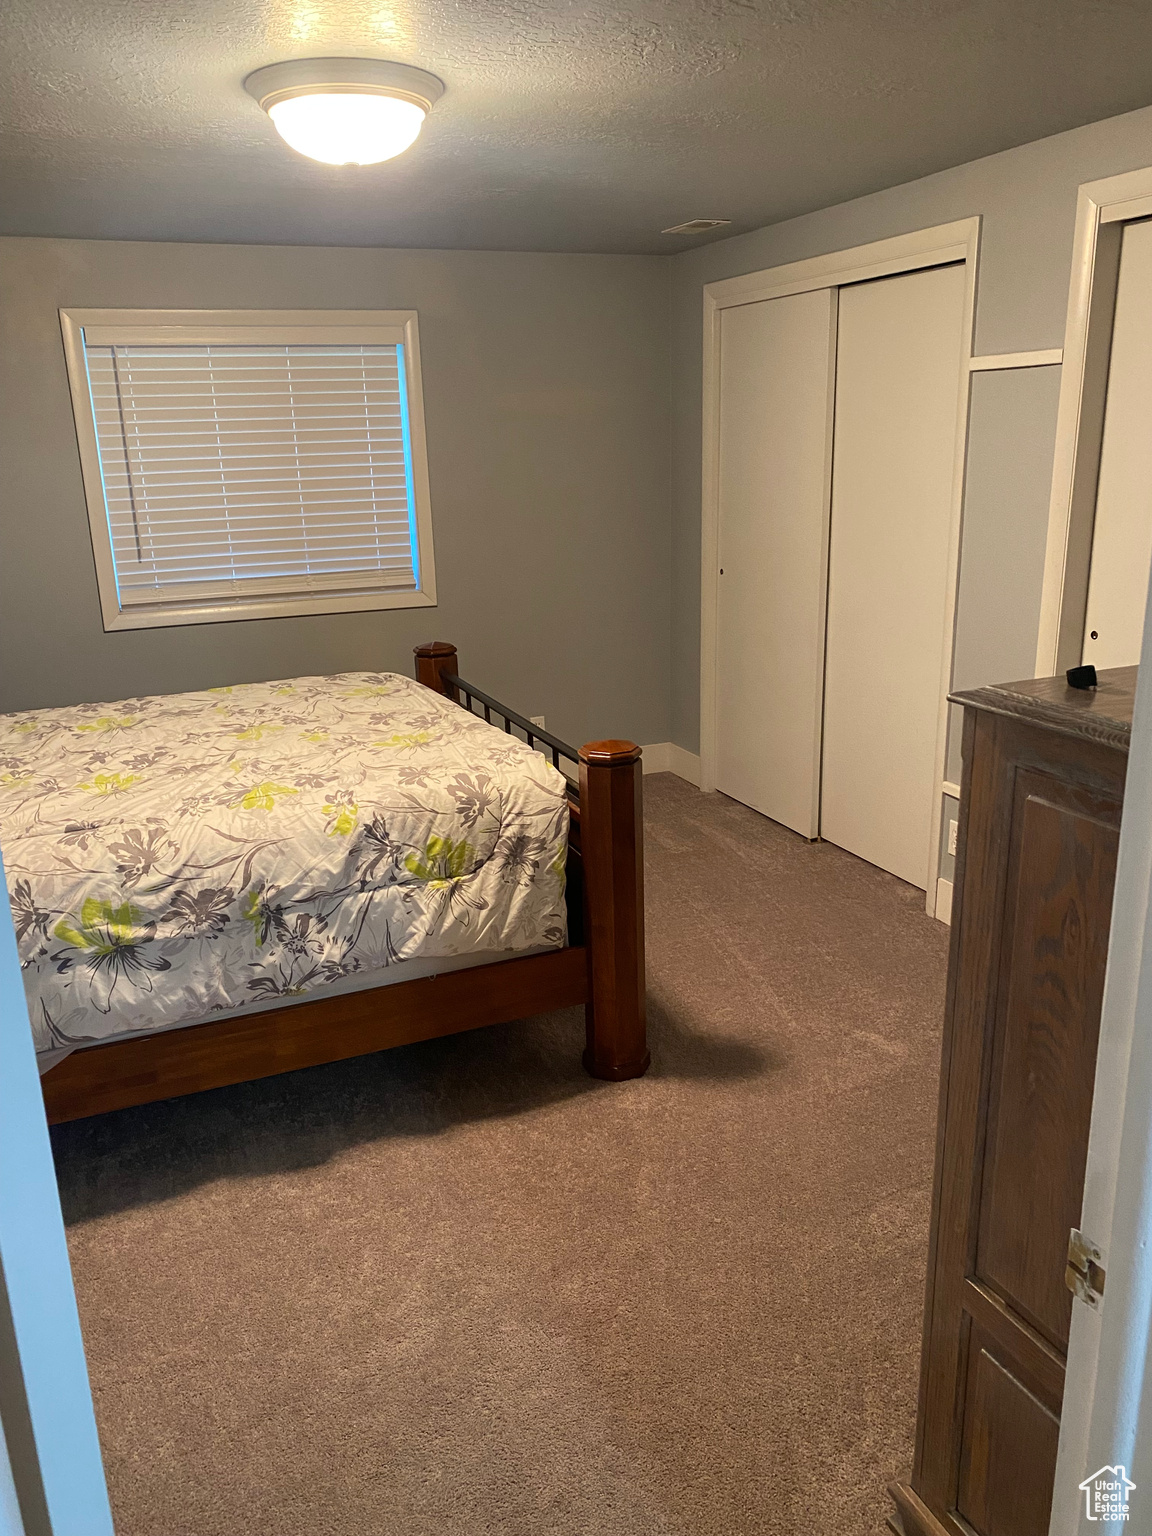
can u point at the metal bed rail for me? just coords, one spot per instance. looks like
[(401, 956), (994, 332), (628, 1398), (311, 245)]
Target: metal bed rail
[(533, 733)]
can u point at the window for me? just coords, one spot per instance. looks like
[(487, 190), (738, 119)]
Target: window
[(251, 464)]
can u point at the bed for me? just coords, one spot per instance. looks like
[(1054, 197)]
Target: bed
[(219, 886)]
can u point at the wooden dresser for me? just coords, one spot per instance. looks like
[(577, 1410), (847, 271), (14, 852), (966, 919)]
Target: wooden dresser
[(1039, 825)]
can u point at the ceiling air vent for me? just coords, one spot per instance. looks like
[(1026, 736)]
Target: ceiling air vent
[(695, 226)]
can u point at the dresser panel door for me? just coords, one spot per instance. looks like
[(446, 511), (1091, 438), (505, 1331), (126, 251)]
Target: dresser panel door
[(1039, 831), (1062, 866), (1008, 1451)]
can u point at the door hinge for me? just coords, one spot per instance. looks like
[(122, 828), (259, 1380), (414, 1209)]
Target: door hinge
[(1084, 1274)]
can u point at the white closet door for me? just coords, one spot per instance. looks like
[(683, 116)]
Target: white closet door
[(897, 383), (777, 363), (1122, 533)]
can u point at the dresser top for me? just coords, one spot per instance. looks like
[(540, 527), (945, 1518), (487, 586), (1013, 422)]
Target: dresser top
[(1102, 714)]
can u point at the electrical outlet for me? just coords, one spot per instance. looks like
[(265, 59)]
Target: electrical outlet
[(952, 838), (538, 720)]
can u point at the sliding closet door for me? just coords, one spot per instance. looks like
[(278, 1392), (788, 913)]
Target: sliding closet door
[(1122, 532), (897, 383), (776, 380)]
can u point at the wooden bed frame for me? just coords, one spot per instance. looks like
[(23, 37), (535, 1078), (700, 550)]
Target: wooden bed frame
[(602, 966)]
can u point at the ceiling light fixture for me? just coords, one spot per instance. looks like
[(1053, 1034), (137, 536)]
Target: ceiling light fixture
[(346, 111)]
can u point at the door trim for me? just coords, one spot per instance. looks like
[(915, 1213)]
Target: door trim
[(934, 247), (1102, 209), (47, 1422), (997, 361)]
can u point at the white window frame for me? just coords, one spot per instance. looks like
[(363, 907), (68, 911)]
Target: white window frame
[(277, 327)]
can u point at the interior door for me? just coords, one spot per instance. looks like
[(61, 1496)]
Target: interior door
[(1122, 532), (897, 381), (777, 362)]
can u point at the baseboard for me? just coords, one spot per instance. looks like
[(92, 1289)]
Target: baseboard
[(944, 901), (667, 757)]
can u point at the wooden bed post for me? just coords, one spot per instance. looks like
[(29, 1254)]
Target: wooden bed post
[(612, 850), (433, 658), (608, 841)]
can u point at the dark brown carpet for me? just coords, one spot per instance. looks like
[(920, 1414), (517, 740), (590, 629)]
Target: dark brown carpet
[(459, 1288)]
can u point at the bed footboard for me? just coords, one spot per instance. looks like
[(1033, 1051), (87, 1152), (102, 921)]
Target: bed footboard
[(607, 845), (612, 849)]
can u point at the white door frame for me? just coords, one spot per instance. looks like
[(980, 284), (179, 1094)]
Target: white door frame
[(1102, 209), (47, 1422), (958, 241)]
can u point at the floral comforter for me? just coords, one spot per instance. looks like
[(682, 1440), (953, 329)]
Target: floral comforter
[(173, 856)]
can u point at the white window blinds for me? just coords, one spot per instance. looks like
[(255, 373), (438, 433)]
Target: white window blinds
[(242, 471)]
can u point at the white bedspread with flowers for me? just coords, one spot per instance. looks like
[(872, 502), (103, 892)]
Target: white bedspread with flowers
[(174, 856)]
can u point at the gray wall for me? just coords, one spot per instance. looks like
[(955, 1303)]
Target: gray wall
[(561, 576), (546, 380), (1027, 199), (1011, 440)]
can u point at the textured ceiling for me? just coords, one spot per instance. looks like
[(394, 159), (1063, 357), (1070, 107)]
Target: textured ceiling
[(567, 125)]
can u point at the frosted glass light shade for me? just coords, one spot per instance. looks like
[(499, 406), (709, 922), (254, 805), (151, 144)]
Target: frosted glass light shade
[(343, 128), (346, 111)]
